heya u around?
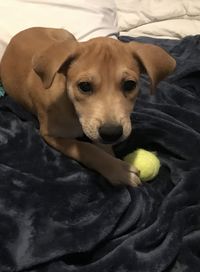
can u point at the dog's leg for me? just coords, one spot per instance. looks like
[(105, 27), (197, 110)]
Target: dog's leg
[(113, 169), (106, 148)]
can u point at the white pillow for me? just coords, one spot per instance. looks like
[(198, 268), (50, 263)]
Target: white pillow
[(159, 18), (84, 18)]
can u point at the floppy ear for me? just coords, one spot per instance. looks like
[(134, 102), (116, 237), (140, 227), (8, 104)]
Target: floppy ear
[(155, 61), (47, 63)]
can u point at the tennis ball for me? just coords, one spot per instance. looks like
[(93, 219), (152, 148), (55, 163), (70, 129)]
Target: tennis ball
[(146, 162)]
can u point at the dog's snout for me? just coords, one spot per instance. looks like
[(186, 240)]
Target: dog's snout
[(110, 133)]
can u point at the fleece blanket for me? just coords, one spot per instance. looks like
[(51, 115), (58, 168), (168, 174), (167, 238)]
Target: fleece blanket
[(58, 216)]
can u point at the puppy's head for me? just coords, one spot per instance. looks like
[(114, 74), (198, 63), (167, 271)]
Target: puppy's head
[(102, 81)]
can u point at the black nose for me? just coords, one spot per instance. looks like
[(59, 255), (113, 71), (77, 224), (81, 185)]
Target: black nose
[(110, 133)]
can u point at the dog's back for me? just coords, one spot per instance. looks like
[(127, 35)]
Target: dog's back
[(18, 57)]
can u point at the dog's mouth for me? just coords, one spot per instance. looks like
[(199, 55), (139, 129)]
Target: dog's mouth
[(99, 140), (110, 142)]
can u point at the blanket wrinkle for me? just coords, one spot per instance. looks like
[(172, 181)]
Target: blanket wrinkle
[(58, 216)]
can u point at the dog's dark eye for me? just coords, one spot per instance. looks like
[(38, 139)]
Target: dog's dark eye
[(128, 85), (85, 87)]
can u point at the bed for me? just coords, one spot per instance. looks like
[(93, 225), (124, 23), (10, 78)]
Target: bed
[(58, 216)]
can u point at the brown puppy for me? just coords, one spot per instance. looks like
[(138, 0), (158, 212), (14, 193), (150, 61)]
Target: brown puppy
[(82, 88)]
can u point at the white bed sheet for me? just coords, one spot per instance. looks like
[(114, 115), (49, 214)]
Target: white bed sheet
[(84, 18), (159, 18)]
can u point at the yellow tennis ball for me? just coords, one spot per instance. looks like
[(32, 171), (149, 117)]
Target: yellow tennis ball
[(146, 162)]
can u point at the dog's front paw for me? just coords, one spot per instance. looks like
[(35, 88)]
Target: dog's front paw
[(121, 173)]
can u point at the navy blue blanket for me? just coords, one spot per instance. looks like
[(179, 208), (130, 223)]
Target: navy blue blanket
[(58, 216)]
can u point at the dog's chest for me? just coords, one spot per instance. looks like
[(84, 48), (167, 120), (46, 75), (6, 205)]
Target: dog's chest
[(63, 125), (66, 129), (61, 119)]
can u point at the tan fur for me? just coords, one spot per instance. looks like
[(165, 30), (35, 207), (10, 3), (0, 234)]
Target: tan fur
[(41, 69)]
